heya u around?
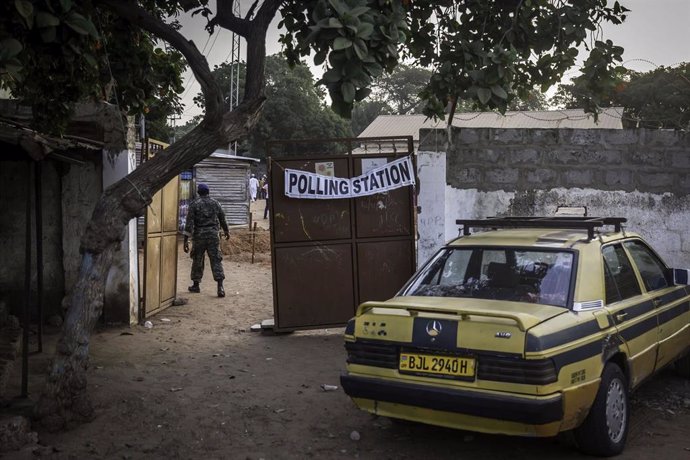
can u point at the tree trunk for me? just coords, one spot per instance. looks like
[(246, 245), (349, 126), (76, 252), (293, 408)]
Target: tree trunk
[(64, 398)]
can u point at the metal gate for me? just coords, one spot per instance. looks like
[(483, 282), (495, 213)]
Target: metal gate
[(160, 248), (331, 255)]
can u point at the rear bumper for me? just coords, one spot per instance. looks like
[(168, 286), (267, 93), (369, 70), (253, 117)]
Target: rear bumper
[(505, 408)]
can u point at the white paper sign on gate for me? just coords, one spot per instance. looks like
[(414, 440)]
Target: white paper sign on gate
[(303, 184)]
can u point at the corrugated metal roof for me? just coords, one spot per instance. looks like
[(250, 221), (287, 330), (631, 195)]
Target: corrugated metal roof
[(224, 153), (405, 125)]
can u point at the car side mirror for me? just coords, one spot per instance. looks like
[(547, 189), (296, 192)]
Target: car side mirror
[(680, 275)]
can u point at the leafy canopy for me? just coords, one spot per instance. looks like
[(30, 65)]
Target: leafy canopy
[(295, 107), (656, 99), (56, 53), (487, 51)]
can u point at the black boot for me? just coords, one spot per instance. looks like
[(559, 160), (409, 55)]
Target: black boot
[(221, 291), (194, 287)]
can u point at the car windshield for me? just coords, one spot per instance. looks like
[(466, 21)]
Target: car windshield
[(510, 274)]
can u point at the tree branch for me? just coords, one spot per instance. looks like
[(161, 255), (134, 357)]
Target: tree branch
[(197, 62), (256, 49), (226, 19)]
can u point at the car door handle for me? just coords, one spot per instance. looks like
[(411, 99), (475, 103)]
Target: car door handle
[(656, 302), (620, 317)]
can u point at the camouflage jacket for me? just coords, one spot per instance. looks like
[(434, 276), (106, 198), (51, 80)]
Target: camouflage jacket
[(204, 217)]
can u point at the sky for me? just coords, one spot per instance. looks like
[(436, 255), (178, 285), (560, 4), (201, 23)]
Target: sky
[(656, 33)]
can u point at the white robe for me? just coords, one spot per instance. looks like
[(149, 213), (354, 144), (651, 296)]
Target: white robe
[(253, 187)]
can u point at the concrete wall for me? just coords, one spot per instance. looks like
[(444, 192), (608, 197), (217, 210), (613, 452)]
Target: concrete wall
[(638, 174), (121, 302), (14, 180)]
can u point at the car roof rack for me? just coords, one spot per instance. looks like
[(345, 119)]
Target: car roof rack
[(563, 222)]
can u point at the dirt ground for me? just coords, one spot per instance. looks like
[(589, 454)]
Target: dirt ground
[(201, 385)]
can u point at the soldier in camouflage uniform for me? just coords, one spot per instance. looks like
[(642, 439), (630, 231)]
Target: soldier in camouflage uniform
[(204, 217)]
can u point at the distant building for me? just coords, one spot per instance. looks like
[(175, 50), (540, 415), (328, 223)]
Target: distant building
[(406, 125), (227, 176)]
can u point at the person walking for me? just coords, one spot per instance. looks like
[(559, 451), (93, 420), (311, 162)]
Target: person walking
[(265, 190), (253, 187), (204, 217)]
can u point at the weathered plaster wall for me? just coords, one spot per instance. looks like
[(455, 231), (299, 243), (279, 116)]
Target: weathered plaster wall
[(122, 285), (14, 179), (638, 174)]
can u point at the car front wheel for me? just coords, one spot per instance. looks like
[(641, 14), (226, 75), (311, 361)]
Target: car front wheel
[(605, 429)]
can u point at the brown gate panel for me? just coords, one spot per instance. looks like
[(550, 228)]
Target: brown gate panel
[(384, 214), (315, 285), (384, 266), (308, 220), (329, 255)]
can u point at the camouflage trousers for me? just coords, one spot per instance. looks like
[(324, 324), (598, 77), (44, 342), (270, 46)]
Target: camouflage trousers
[(199, 249)]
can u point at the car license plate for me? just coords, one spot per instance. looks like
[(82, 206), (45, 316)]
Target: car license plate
[(437, 365)]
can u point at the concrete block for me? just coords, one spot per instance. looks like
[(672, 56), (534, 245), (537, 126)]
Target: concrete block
[(502, 176), (433, 140), (647, 180), (584, 156), (541, 137), (525, 156), (578, 177), (666, 138), (680, 159), (542, 176), (647, 157), (683, 186), (621, 178), (464, 177), (561, 157), (590, 137), (621, 137), (470, 136), (484, 156), (507, 136)]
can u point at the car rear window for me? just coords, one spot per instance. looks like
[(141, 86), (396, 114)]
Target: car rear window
[(510, 274)]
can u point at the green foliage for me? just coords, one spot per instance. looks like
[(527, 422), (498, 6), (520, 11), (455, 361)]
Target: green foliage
[(489, 52), (401, 87), (656, 99), (54, 54), (359, 39), (294, 109), (366, 111)]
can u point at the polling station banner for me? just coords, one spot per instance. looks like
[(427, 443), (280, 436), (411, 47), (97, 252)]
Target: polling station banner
[(303, 184)]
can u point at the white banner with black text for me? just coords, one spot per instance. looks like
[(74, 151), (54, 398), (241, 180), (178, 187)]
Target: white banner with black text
[(303, 184)]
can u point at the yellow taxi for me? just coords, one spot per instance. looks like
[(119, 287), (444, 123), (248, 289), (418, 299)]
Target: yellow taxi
[(531, 327)]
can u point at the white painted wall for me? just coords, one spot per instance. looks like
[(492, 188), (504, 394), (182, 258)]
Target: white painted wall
[(431, 224), (660, 219), (122, 285)]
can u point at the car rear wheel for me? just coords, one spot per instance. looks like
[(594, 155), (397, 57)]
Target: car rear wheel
[(605, 429), (683, 366)]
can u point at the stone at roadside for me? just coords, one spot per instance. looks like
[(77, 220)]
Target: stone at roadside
[(355, 436), (15, 433)]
